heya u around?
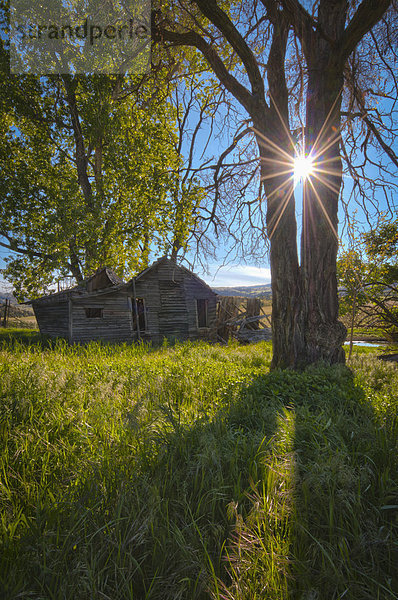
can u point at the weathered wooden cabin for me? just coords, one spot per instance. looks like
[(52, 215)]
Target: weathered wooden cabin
[(166, 300)]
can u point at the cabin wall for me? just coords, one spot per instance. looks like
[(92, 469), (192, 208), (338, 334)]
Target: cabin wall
[(163, 291), (173, 315), (195, 290), (115, 325), (161, 288), (148, 289), (52, 318), (170, 295)]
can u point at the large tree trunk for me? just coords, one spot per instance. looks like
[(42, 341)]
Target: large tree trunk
[(324, 334), (287, 315), (305, 324)]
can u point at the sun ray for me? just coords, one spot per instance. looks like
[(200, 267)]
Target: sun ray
[(320, 166), (324, 211), (323, 148), (325, 161), (323, 128), (320, 171), (332, 187), (328, 144), (273, 145), (282, 209), (287, 131), (277, 161), (279, 188), (277, 174)]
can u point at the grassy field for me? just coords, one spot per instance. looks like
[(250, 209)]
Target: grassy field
[(191, 472), (19, 316)]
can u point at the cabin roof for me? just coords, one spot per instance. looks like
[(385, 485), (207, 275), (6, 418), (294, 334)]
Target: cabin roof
[(112, 283), (169, 260), (109, 273)]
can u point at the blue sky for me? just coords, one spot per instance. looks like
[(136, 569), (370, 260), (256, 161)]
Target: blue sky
[(231, 275), (236, 275)]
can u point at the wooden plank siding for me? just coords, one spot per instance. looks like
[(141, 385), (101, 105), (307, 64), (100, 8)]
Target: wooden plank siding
[(113, 325), (169, 293), (147, 288), (53, 319), (173, 315), (194, 290)]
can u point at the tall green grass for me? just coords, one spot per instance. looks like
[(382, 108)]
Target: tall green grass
[(192, 472)]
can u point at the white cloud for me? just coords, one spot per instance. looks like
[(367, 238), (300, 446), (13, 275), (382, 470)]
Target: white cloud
[(5, 286), (237, 275)]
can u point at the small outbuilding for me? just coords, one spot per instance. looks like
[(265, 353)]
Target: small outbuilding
[(166, 300)]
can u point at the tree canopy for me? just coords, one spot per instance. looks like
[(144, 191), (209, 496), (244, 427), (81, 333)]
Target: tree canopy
[(368, 276), (89, 175)]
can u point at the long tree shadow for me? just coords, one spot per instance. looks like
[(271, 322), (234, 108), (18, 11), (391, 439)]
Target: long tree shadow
[(286, 492), (323, 518)]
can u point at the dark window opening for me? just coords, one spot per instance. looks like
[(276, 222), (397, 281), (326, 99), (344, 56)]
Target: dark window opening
[(140, 311), (201, 308), (94, 313)]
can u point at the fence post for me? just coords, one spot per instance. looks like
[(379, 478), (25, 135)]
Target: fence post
[(6, 312)]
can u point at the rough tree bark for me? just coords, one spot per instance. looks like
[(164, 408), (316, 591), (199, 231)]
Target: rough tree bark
[(304, 292), (323, 333)]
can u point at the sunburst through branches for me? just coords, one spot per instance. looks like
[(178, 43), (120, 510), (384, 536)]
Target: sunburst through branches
[(303, 168), (307, 168)]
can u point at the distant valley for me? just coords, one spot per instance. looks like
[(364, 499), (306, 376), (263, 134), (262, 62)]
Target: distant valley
[(7, 296), (245, 291)]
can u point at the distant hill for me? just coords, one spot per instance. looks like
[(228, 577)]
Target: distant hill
[(245, 291), (7, 296)]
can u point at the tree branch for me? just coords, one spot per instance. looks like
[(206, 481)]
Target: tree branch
[(276, 70), (194, 40), (370, 125), (13, 246), (231, 147), (81, 157), (301, 21), (367, 15), (220, 19), (387, 149)]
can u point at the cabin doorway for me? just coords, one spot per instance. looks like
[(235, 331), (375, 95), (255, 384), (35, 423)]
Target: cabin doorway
[(139, 316)]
